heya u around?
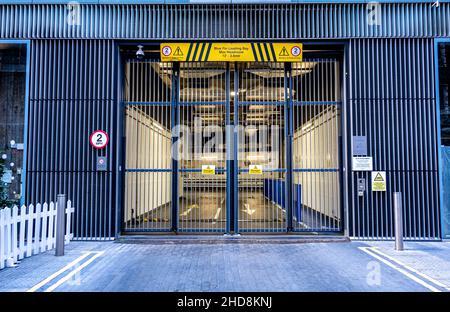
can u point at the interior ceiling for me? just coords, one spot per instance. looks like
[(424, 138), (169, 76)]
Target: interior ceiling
[(205, 81), (201, 72)]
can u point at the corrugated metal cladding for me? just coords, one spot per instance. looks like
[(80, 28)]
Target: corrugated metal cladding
[(391, 100), (389, 96), (265, 21), (72, 93)]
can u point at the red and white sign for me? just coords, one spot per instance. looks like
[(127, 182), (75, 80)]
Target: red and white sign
[(99, 139), (295, 51), (166, 50)]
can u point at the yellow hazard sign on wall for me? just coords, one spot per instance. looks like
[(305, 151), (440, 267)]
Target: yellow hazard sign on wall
[(378, 181), (208, 169), (231, 52), (255, 169)]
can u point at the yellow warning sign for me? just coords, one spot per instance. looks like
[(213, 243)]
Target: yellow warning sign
[(283, 52), (208, 169), (178, 52), (255, 169), (378, 181), (174, 51), (231, 52)]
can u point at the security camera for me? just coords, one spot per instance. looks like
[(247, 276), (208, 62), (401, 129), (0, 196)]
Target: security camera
[(140, 53)]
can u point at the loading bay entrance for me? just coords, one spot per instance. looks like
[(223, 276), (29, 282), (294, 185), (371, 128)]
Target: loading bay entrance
[(232, 147)]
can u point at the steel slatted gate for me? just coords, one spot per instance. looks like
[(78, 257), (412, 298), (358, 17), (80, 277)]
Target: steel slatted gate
[(261, 157), (316, 145), (202, 163), (147, 131), (283, 167)]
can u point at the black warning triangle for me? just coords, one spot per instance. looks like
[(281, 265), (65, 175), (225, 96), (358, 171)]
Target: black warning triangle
[(284, 52), (378, 178), (178, 52)]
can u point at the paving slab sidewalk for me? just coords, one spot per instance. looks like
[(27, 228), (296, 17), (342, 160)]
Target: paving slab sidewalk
[(233, 267)]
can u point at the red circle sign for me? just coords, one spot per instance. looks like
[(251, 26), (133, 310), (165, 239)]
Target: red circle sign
[(99, 139), (295, 51), (166, 50)]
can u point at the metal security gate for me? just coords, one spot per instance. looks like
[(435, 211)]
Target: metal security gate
[(232, 147), (202, 167), (289, 131), (147, 131), (316, 145), (261, 175)]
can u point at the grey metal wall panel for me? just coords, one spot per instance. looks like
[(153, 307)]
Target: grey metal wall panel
[(72, 93), (391, 101), (243, 21)]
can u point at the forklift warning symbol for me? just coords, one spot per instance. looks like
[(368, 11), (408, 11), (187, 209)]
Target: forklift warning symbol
[(378, 181), (208, 169)]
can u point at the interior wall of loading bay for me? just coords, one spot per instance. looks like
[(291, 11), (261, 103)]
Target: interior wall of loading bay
[(270, 104)]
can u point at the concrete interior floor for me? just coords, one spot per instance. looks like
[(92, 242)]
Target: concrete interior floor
[(204, 209)]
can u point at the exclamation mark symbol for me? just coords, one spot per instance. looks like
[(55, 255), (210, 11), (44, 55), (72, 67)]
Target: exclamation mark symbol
[(284, 52), (178, 52)]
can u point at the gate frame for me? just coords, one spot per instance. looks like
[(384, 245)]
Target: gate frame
[(232, 187), (287, 153)]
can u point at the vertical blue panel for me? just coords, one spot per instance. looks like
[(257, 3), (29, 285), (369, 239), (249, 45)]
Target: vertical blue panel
[(393, 103), (73, 92)]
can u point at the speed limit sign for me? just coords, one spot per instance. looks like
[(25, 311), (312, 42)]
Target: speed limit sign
[(99, 139)]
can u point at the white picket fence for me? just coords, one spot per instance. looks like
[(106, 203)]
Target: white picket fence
[(29, 231)]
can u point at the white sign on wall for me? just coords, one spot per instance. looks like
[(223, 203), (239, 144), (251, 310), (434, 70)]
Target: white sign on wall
[(362, 163), (99, 139)]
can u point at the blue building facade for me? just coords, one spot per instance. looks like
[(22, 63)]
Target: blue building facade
[(388, 83)]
